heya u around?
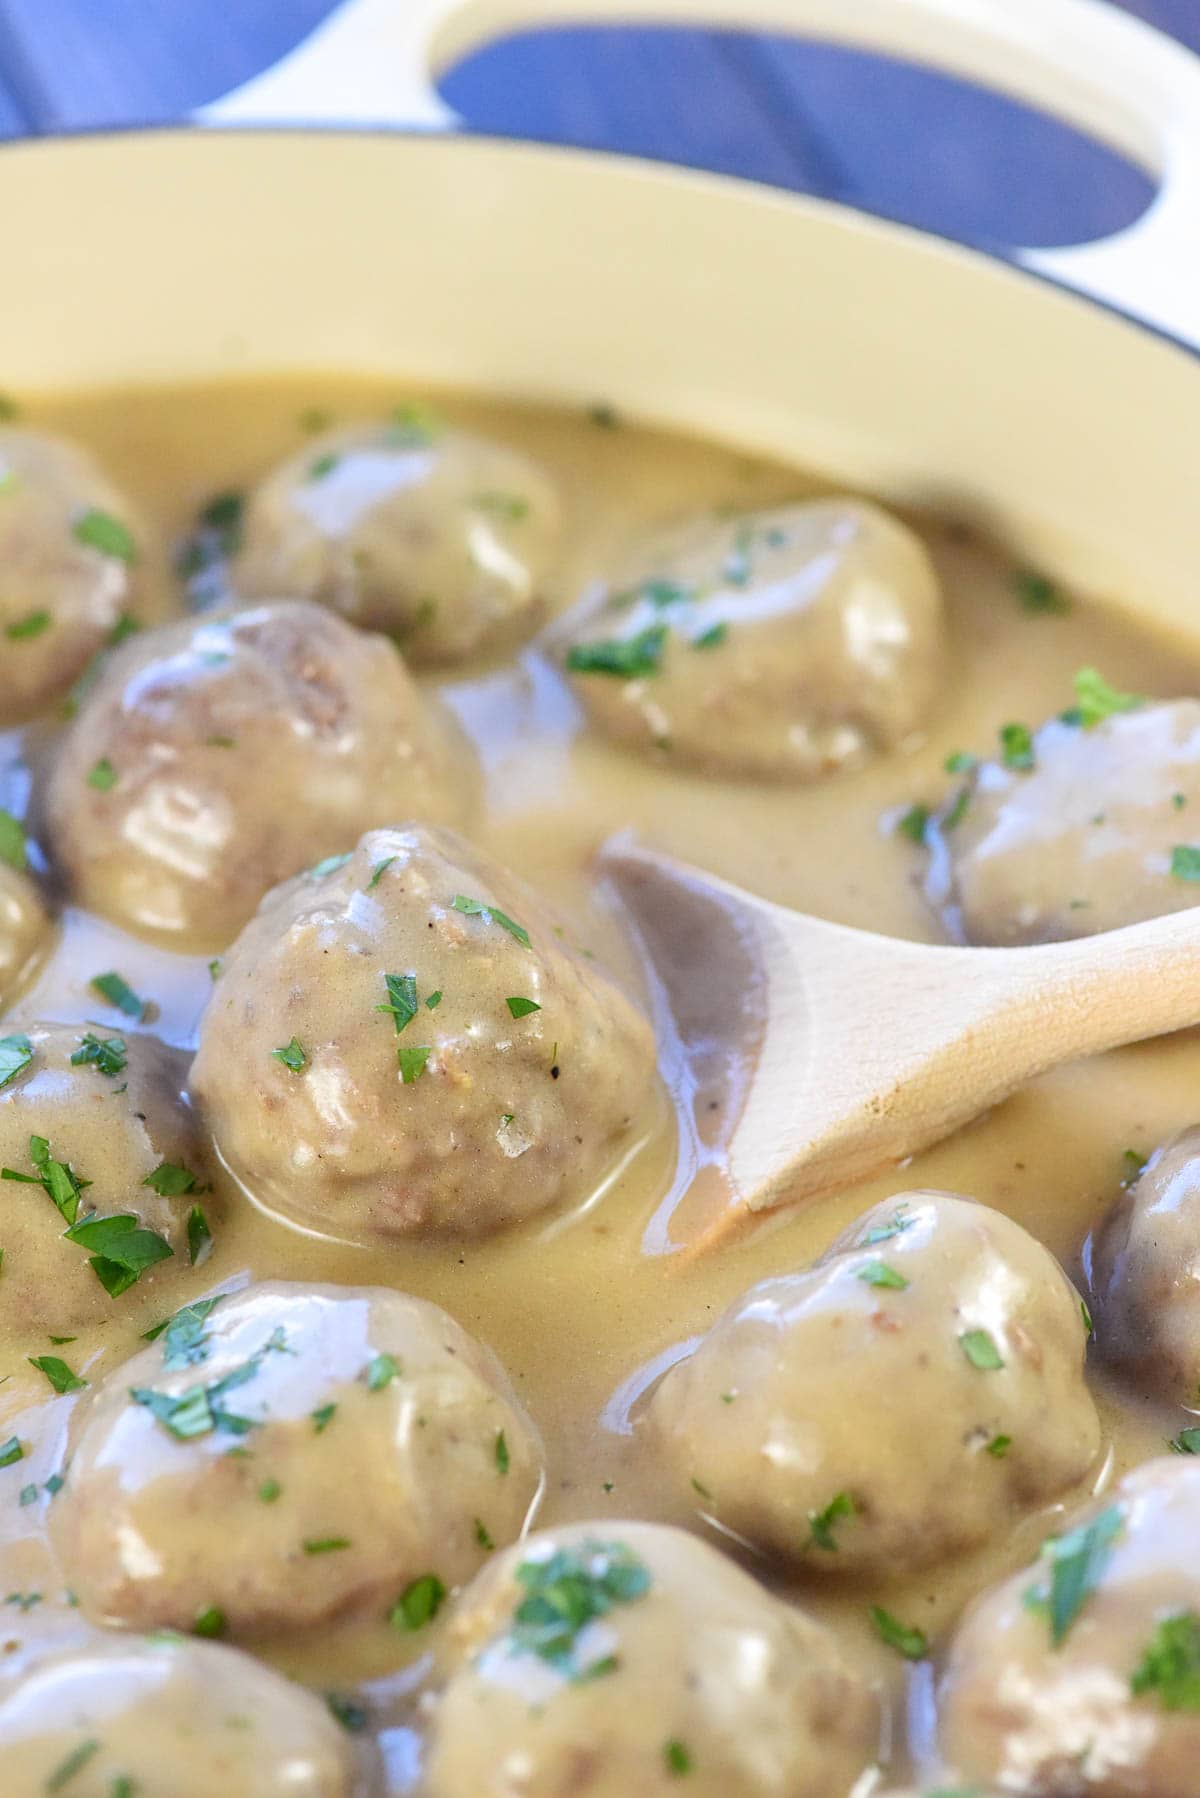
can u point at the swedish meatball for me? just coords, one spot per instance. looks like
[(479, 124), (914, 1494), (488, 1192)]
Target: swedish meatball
[(1078, 1675), (70, 551), (781, 645), (24, 928), (169, 1719), (1146, 1274), (605, 1659), (793, 1421), (441, 539), (92, 1127), (410, 1043), (385, 1446), (1078, 837), (220, 755)]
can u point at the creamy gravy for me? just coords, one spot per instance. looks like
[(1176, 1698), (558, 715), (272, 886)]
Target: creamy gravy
[(583, 1310)]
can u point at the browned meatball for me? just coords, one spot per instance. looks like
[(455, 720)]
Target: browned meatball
[(410, 1043), (378, 1446), (93, 1126), (932, 1320), (1078, 834), (621, 1659), (1077, 1678), (781, 645), (71, 556), (220, 755), (442, 539)]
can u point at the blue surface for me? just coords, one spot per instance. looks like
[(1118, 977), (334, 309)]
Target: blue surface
[(893, 139)]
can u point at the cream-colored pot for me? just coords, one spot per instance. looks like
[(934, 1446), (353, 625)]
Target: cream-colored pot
[(792, 326)]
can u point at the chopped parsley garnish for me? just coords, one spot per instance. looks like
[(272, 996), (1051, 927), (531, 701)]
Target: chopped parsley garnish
[(322, 465), (879, 1273), (434, 1000), (821, 1523), (28, 1496), (1187, 1442), (712, 637), (75, 1762), (412, 1059), (105, 1054), (895, 1226), (413, 426), (170, 1181), (402, 999), (199, 1236), (1038, 594), (378, 871), (961, 762), (350, 1715), (12, 841), (628, 658), (1076, 1562), (57, 1178), (1133, 1164), (564, 1593), (16, 1053), (1095, 700), (292, 1056), (1185, 862), (479, 908), (30, 626), (329, 864), (269, 1491), (11, 1452), (980, 1349), (186, 1341), (677, 1758), (999, 1446), (381, 1371), (952, 818), (1086, 1315), (483, 1536), (501, 1452), (512, 507), (210, 1622), (57, 1372), (1170, 1666), (324, 1545), (100, 530), (910, 1642), (522, 1008), (322, 1417), (201, 1409), (120, 994), (604, 416), (103, 776), (1016, 746), (913, 823), (216, 538), (418, 1604), (214, 968), (121, 1248)]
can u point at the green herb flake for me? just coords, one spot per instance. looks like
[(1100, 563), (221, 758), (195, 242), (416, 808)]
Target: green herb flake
[(325, 1545), (120, 994), (913, 823), (214, 969), (57, 1372), (1086, 1315), (522, 1008), (478, 908), (999, 1446), (32, 625), (269, 1491), (122, 1249), (75, 1762), (434, 1000), (906, 1640), (1170, 1666), (381, 1371), (210, 1622), (413, 426), (1185, 862), (412, 1060), (483, 1536), (322, 1417), (28, 1496), (323, 465), (378, 871), (54, 1485), (292, 1056), (1095, 700), (199, 1236), (879, 1273), (626, 658), (1016, 747), (1038, 594), (402, 999), (957, 811), (16, 1053), (170, 1181), (11, 1452), (821, 1523), (100, 530), (712, 638), (103, 776), (13, 842), (604, 416), (56, 1178), (513, 508), (1076, 1562), (501, 1452), (678, 1760), (564, 1593), (329, 864), (1187, 1442), (418, 1604), (980, 1349), (105, 1054), (961, 762), (186, 1341), (895, 1226)]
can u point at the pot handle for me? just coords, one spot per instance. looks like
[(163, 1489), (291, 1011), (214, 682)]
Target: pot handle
[(374, 62)]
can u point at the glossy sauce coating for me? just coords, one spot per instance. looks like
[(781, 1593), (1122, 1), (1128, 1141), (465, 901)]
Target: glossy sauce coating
[(583, 1310)]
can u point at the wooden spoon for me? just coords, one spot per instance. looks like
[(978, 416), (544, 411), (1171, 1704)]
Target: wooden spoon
[(856, 1050)]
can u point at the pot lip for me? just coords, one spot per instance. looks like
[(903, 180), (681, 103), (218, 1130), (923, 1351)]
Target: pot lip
[(994, 257)]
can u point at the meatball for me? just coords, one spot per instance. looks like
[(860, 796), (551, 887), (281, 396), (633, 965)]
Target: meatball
[(169, 1718), (605, 1660), (1146, 1274), (378, 1446), (69, 567), (24, 928), (1078, 837), (409, 1043), (439, 538), (781, 645), (93, 1131), (218, 756), (934, 1321), (1078, 1676)]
